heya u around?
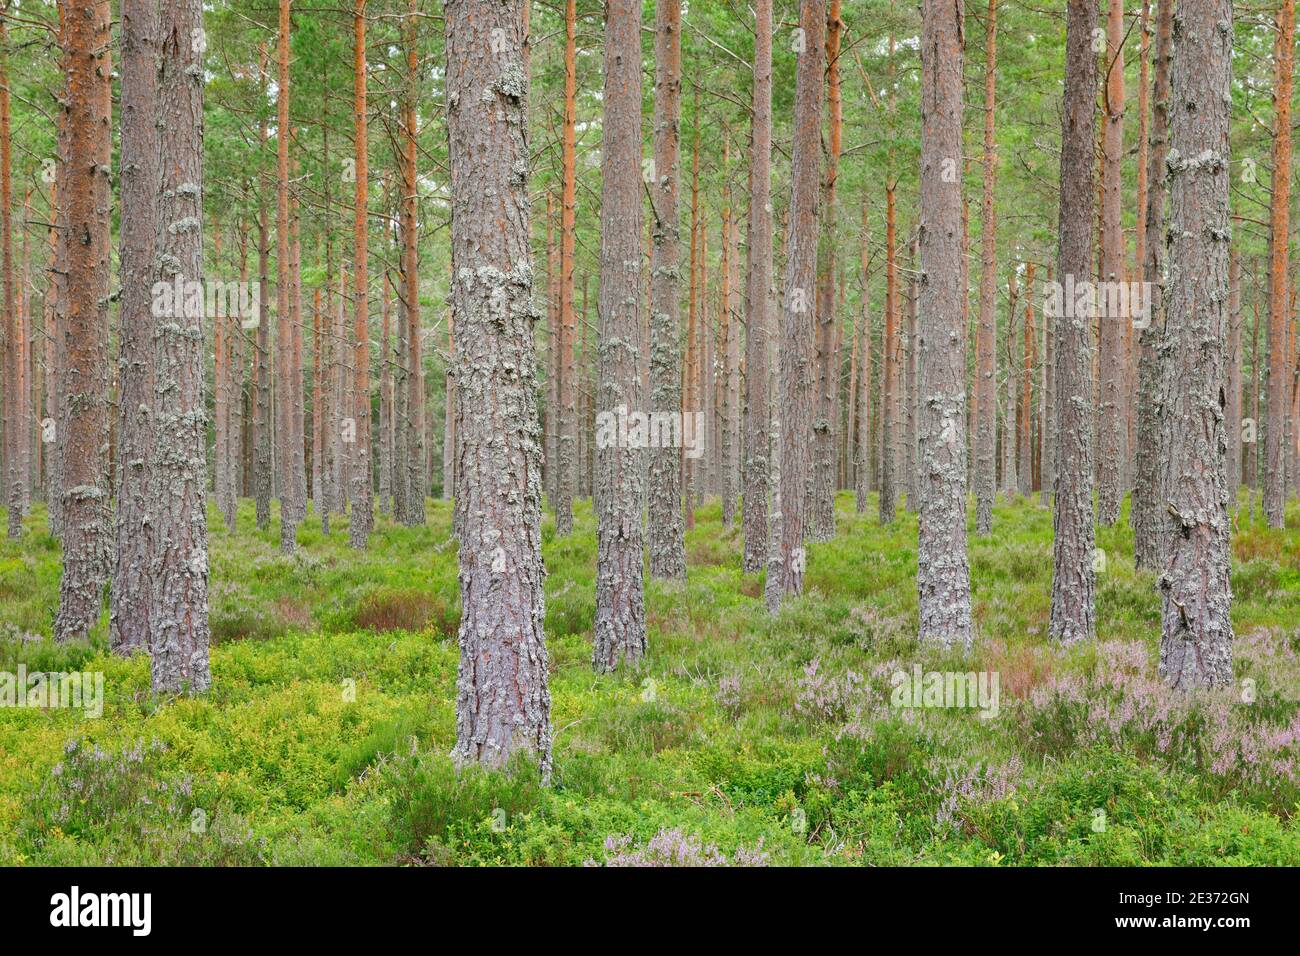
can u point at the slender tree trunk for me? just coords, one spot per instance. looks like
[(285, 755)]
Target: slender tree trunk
[(503, 704), (1026, 465), (1147, 488), (284, 414), (1074, 582), (55, 323), (1279, 372), (911, 392), (799, 318), (620, 628), (13, 423), (1112, 356), (567, 451), (731, 478), (1232, 411), (178, 614), (363, 515), (943, 574), (987, 330), (889, 363), (863, 458), (83, 425), (758, 284), (1196, 637), (385, 406), (1047, 413), (130, 591)]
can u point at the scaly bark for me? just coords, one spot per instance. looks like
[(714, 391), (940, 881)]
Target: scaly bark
[(363, 515), (943, 573), (758, 284), (1279, 368), (1113, 357), (130, 590), (987, 330), (799, 314), (620, 627), (665, 532), (83, 420), (1074, 581), (178, 611), (502, 704), (1147, 485), (1196, 636), (567, 445)]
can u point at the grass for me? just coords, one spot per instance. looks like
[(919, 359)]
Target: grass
[(743, 739)]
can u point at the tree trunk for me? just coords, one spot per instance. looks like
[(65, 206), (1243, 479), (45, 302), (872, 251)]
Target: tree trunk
[(567, 451), (620, 628), (758, 283), (178, 614), (130, 590), (943, 574), (1026, 464), (821, 501), (1196, 637), (889, 362), (284, 413), (503, 704), (1147, 486), (986, 333), (363, 515), (863, 457), (799, 317), (1113, 432), (1074, 582), (1232, 411), (1279, 371), (13, 399), (83, 424)]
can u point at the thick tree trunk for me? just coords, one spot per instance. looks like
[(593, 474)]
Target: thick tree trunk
[(821, 502), (799, 314), (503, 704), (1113, 356), (363, 515), (620, 628), (1279, 366), (83, 424), (130, 591), (943, 573), (1196, 637), (986, 333), (1148, 485), (665, 530), (178, 613), (1074, 581), (758, 284)]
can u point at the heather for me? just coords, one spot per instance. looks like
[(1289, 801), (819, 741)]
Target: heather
[(744, 741)]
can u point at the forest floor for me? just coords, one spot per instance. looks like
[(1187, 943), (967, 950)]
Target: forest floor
[(743, 740)]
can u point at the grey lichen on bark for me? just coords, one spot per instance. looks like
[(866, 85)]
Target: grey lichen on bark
[(1196, 636), (178, 611), (943, 572), (502, 699), (620, 626)]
